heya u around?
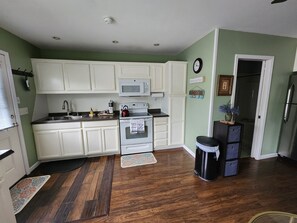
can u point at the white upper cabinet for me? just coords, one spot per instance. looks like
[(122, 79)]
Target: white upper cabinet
[(77, 77), (176, 72), (103, 76), (71, 76), (157, 77), (134, 70), (49, 77)]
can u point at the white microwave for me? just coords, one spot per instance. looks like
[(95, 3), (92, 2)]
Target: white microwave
[(134, 87)]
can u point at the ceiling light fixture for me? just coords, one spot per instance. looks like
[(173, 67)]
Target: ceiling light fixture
[(156, 44), (115, 41), (108, 20), (56, 38)]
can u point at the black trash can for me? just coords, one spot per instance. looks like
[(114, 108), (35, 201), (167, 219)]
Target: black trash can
[(207, 158)]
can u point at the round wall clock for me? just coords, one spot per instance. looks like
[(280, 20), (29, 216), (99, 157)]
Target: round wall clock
[(197, 65)]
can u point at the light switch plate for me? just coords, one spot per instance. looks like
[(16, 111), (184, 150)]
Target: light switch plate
[(23, 111)]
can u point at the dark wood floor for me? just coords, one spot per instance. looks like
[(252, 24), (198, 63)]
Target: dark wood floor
[(169, 191)]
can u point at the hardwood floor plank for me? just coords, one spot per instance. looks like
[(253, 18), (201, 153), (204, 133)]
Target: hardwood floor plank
[(102, 208), (67, 204)]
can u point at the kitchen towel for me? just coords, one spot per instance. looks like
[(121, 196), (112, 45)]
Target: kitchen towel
[(137, 126)]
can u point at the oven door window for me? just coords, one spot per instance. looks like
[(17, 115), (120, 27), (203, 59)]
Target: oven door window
[(137, 135)]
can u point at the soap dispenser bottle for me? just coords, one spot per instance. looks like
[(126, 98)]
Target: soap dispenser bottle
[(91, 113)]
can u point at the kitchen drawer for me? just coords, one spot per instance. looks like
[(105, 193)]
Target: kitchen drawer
[(161, 135), (160, 128), (232, 151), (94, 124), (231, 168), (161, 120), (234, 133)]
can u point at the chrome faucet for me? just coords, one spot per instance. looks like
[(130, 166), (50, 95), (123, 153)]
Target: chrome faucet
[(67, 104)]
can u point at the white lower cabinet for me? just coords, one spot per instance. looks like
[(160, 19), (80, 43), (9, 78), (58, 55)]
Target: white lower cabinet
[(160, 132), (72, 142), (58, 140), (101, 137)]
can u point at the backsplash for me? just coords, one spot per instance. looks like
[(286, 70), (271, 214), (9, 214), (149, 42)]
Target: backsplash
[(84, 102)]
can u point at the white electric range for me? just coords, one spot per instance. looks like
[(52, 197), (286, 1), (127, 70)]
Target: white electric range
[(136, 130)]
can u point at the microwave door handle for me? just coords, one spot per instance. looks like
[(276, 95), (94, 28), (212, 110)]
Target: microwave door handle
[(288, 102)]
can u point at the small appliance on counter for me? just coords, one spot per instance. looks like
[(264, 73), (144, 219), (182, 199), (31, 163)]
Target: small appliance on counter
[(110, 107), (136, 128)]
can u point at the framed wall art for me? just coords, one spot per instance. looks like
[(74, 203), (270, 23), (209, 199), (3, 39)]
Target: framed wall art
[(225, 85)]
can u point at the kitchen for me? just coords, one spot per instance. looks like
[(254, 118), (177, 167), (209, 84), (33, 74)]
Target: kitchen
[(159, 88), (218, 58)]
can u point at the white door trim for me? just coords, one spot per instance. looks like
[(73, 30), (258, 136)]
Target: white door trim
[(213, 82), (17, 113), (263, 98)]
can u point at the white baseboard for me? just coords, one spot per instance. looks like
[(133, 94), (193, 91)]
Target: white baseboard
[(267, 156), (34, 166), (189, 151)]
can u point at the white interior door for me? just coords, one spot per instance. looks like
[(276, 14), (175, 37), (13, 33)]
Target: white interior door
[(9, 134)]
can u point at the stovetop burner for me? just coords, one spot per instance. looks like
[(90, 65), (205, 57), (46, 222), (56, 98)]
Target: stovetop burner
[(136, 110), (137, 115)]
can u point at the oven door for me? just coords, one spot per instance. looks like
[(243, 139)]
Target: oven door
[(130, 138)]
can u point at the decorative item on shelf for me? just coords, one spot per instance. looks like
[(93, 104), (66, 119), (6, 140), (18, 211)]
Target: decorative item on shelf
[(197, 92), (230, 113), (225, 85)]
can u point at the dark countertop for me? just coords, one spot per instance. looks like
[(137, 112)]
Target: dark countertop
[(85, 117), (5, 152), (156, 113)]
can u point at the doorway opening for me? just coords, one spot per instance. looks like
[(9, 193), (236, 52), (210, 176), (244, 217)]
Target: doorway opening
[(257, 107), (246, 98)]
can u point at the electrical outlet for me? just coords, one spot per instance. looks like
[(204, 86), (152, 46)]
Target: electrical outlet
[(18, 100)]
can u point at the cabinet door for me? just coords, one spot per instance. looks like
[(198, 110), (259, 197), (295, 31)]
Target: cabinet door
[(111, 139), (177, 133), (177, 108), (48, 76), (47, 144), (103, 78), (71, 142), (176, 117), (134, 70), (177, 78), (77, 77), (157, 78), (93, 141)]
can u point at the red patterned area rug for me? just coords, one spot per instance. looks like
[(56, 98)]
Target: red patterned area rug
[(24, 191)]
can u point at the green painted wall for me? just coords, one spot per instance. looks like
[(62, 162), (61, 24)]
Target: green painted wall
[(20, 53), (101, 56), (283, 49), (197, 110)]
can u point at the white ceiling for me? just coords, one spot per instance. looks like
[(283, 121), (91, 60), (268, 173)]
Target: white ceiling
[(174, 24)]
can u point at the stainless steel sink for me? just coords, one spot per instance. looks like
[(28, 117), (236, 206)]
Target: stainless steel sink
[(63, 118)]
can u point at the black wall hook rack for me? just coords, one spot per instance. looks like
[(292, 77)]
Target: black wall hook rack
[(22, 73)]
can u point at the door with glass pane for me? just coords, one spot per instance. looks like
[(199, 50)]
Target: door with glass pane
[(9, 135)]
